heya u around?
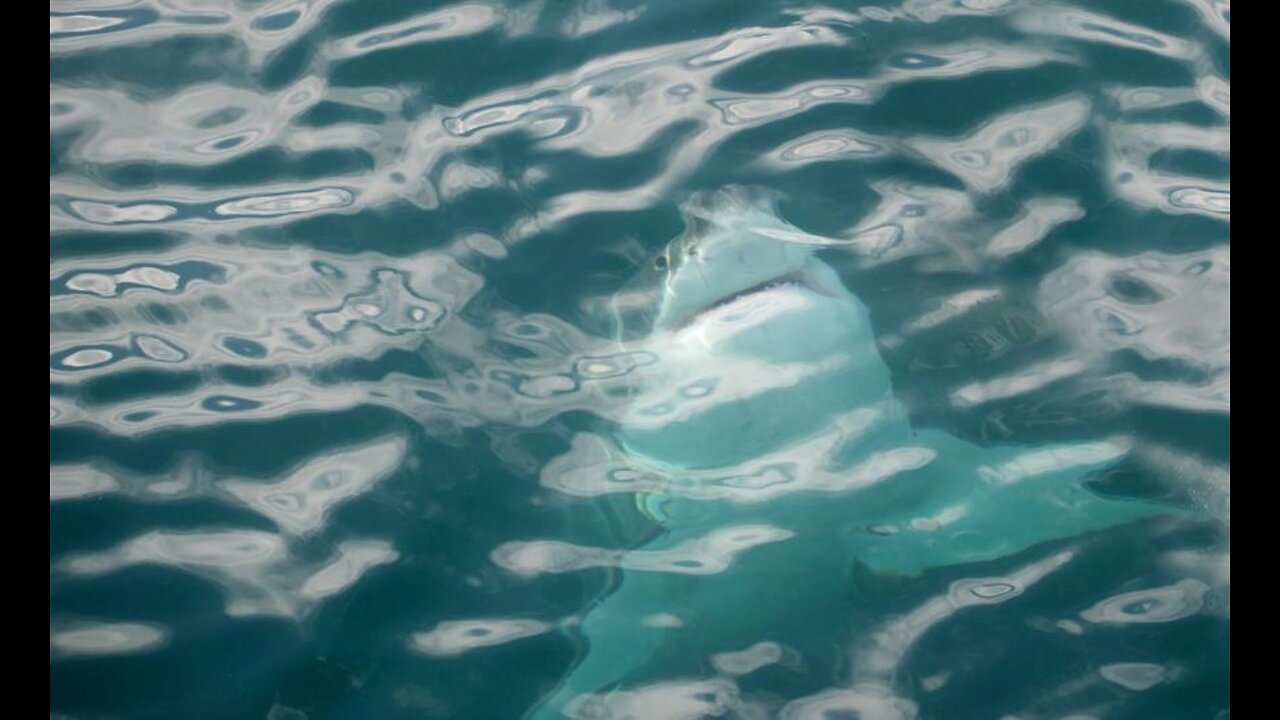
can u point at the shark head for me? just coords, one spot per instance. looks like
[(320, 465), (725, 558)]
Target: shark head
[(734, 246), (760, 343)]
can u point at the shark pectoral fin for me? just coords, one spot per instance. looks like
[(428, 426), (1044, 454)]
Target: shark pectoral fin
[(993, 511), (1014, 523), (612, 520)]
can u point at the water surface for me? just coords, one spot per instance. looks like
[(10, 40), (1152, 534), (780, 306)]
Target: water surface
[(326, 276)]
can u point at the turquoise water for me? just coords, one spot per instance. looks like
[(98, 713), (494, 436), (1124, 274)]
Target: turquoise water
[(343, 294)]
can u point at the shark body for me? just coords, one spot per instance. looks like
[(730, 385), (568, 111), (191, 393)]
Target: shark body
[(767, 444)]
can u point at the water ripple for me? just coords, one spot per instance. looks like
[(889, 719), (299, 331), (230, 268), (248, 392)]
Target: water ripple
[(711, 554), (84, 638), (347, 298)]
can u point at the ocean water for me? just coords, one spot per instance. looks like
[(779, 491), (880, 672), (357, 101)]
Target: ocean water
[(335, 287)]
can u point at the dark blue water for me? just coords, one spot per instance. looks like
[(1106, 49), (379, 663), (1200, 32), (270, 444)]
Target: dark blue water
[(336, 288)]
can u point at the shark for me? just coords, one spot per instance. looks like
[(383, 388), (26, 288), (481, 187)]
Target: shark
[(765, 444)]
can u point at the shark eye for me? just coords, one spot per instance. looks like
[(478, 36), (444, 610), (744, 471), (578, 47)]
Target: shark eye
[(660, 263)]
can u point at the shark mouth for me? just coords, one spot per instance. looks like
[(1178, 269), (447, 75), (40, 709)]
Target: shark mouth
[(795, 280)]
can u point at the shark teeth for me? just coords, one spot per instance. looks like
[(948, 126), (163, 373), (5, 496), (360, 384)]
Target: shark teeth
[(794, 280)]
